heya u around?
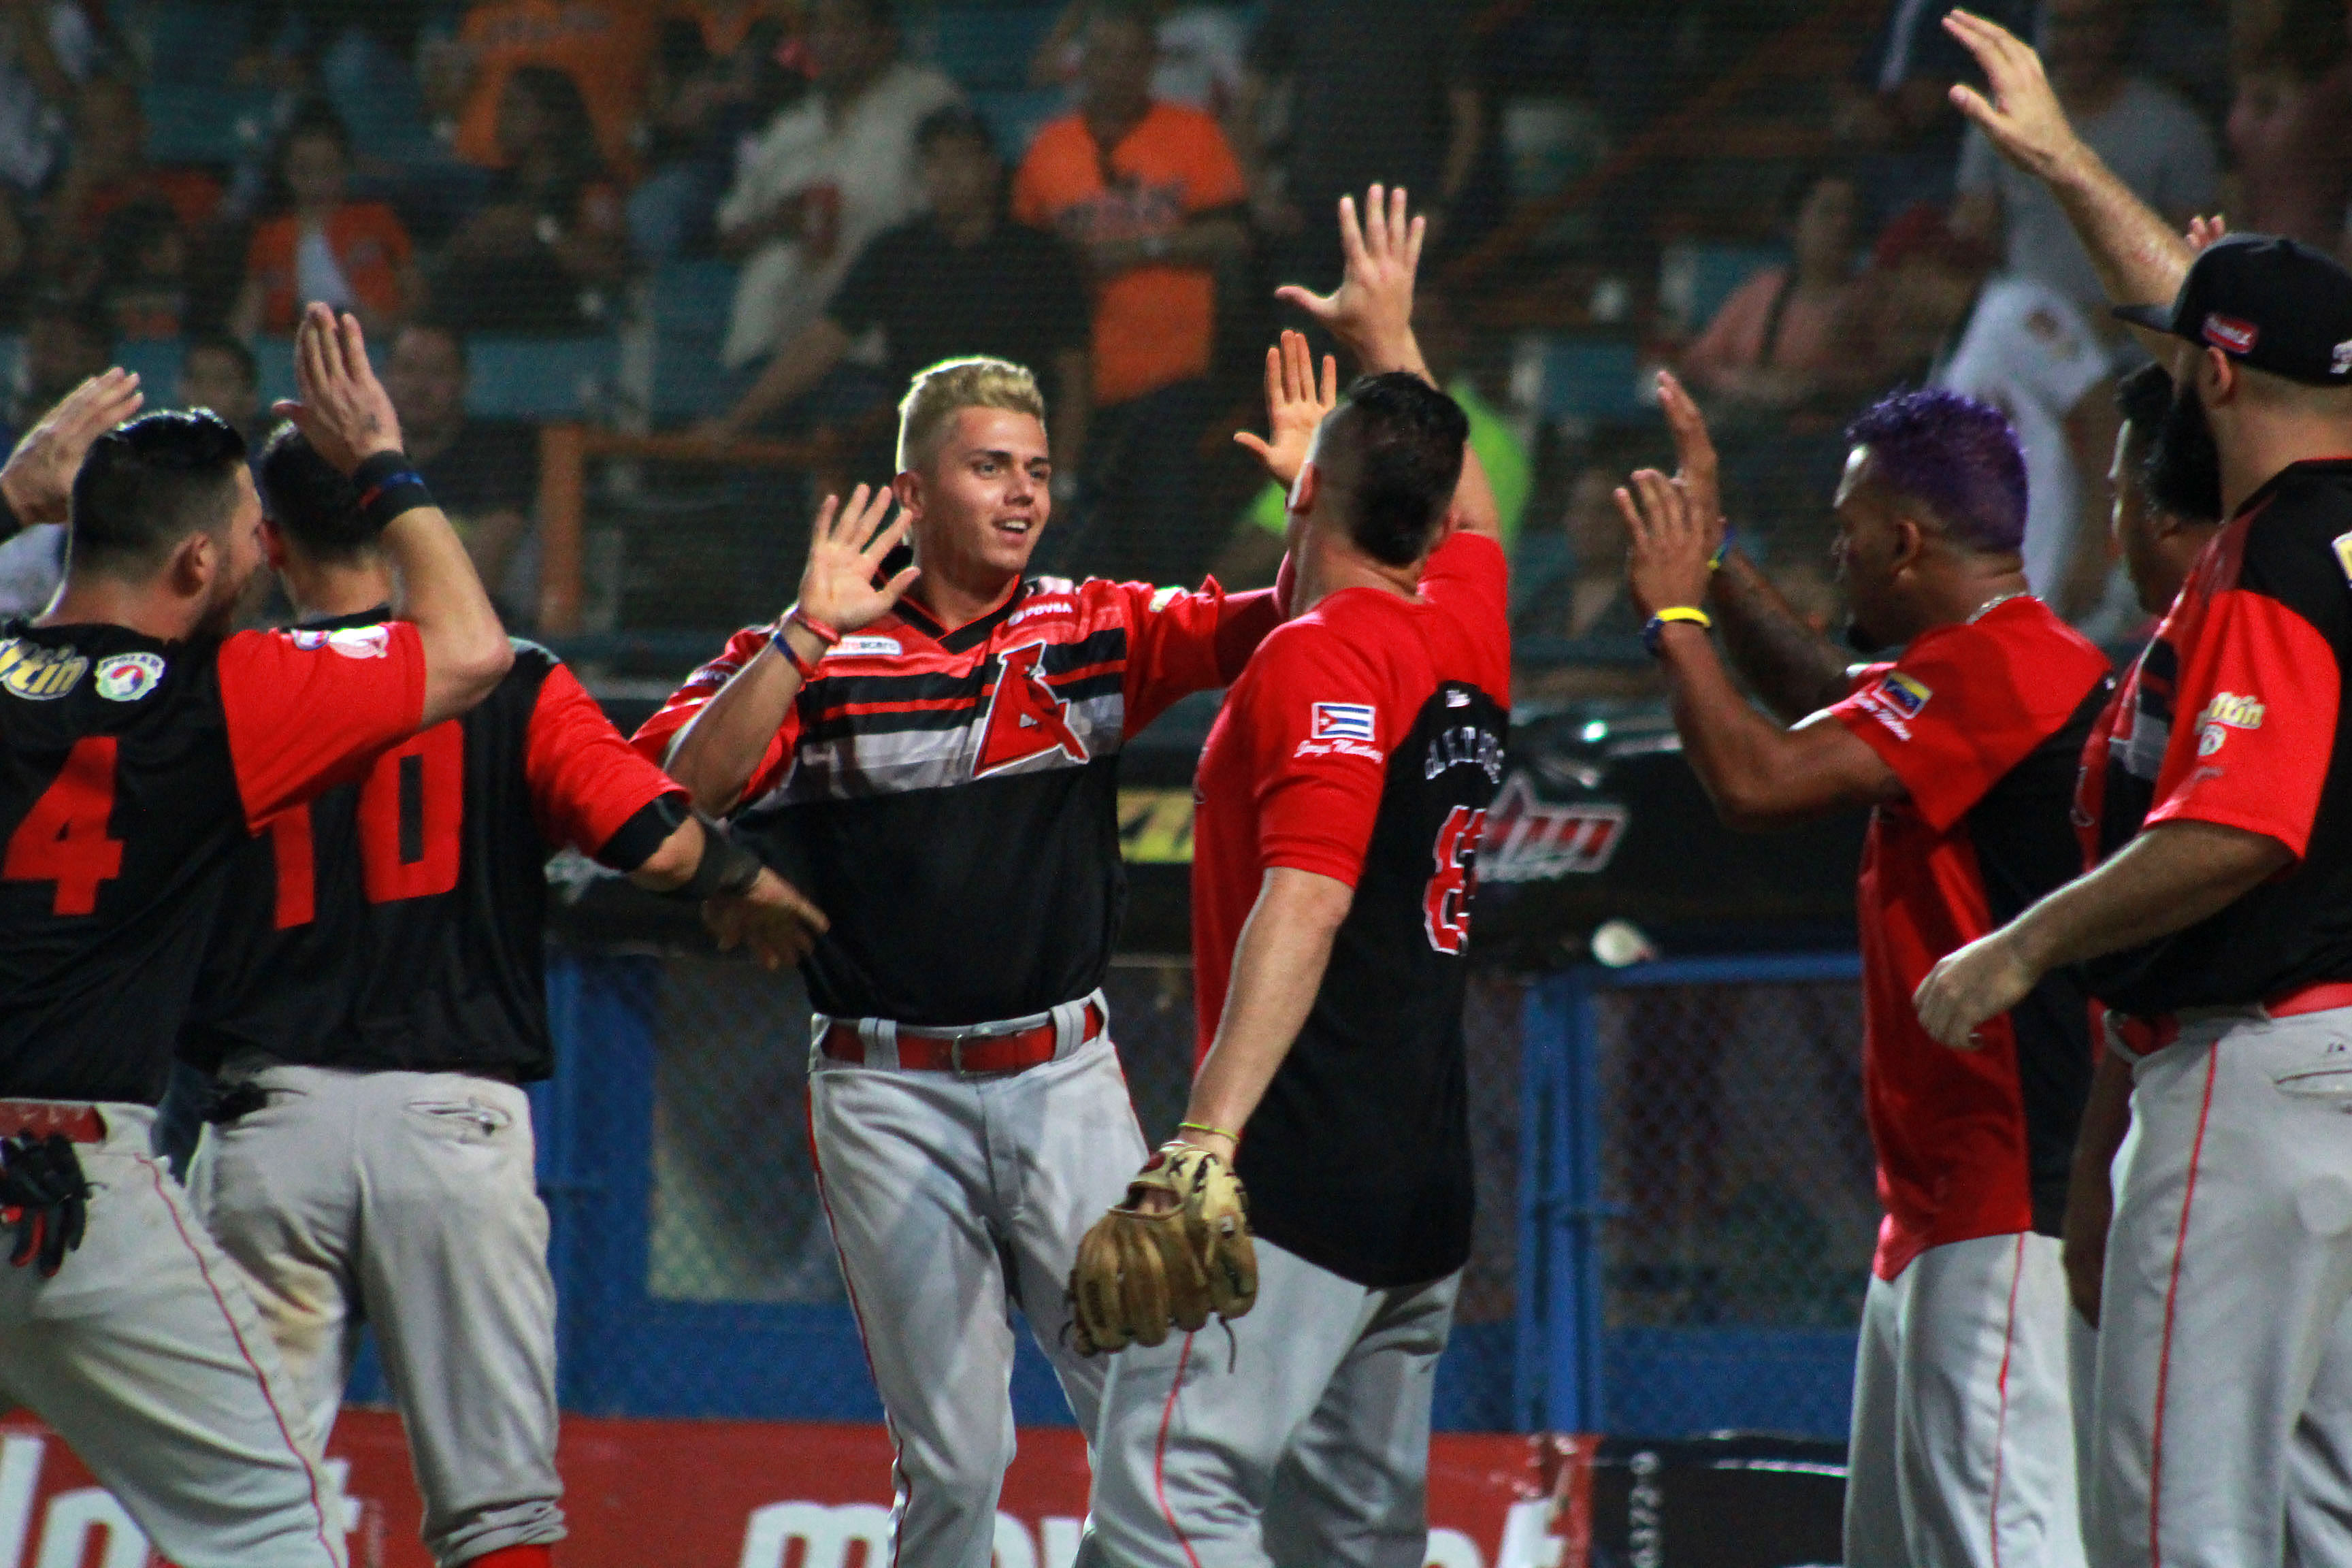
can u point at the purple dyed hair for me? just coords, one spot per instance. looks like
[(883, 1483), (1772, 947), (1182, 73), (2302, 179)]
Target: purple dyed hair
[(1954, 454)]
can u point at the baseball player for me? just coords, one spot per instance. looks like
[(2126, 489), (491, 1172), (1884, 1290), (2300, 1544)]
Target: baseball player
[(137, 744), (373, 1001), (936, 758), (1965, 748), (2213, 927), (1341, 795)]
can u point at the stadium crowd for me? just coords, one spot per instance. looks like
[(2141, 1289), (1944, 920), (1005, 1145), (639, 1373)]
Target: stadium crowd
[(1109, 190)]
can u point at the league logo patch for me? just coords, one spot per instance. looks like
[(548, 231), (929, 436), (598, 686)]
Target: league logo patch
[(127, 677), (2227, 711), (38, 674), (362, 642), (2230, 334), (1343, 721)]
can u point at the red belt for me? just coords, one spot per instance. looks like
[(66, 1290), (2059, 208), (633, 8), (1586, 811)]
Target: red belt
[(2143, 1036), (963, 1051), (39, 1117)]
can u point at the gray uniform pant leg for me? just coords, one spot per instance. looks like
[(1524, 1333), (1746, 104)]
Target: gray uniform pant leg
[(147, 1355), (408, 1200), (2228, 1266), (1304, 1438), (951, 1199)]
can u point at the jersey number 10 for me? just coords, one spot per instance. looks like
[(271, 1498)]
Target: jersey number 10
[(411, 807)]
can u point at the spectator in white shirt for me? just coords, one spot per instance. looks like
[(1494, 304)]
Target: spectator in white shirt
[(826, 176), (47, 51), (2145, 132)]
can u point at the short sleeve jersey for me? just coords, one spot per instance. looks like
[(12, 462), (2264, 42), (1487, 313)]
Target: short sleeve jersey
[(2233, 716), (131, 770), (950, 798), (398, 922), (1983, 723), (1363, 743), (1153, 325)]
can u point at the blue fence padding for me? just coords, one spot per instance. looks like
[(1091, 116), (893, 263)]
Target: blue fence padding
[(1593, 379), (1795, 1382), (521, 378)]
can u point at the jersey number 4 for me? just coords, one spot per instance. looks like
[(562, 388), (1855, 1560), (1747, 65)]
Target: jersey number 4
[(411, 809), (1446, 904), (63, 839)]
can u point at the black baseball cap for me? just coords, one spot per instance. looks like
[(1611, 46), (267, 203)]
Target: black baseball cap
[(2276, 304)]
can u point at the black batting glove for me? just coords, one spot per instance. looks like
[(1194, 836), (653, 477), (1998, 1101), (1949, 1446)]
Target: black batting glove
[(45, 1195)]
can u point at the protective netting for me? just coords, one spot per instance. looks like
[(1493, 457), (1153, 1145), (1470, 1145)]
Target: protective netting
[(1735, 1173)]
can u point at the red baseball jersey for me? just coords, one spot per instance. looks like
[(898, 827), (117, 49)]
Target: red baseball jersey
[(1982, 721), (131, 769), (398, 923), (1363, 743), (2233, 715), (950, 798)]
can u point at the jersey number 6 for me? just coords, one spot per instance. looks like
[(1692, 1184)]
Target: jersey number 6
[(1446, 904)]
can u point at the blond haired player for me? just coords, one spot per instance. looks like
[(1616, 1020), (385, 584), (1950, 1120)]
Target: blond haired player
[(937, 759)]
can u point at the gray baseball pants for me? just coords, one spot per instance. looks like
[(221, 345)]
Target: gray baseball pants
[(148, 1357), (406, 1200), (1303, 1439), (953, 1198)]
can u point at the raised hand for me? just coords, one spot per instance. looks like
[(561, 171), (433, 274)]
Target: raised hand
[(2023, 117), (837, 587), (38, 479), (343, 409), (1371, 310), (1666, 555), (1695, 466), (1294, 406), (772, 921)]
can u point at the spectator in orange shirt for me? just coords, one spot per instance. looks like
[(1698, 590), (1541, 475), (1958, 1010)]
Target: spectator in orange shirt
[(549, 239), (354, 255), (1151, 197), (607, 45)]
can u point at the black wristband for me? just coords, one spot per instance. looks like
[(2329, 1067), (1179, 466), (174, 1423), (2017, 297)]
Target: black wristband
[(388, 486), (726, 870)]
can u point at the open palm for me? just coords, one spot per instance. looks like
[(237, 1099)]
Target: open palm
[(1294, 406), (837, 587)]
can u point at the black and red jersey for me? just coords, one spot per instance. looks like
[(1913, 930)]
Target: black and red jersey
[(1983, 723), (2232, 715), (950, 798), (397, 922), (1363, 743), (131, 770)]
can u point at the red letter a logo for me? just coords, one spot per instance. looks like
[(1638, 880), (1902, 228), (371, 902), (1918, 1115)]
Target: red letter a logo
[(1025, 719)]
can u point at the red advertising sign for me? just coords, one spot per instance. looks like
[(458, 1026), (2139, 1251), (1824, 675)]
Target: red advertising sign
[(722, 1494)]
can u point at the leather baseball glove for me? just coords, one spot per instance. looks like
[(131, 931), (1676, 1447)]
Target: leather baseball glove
[(43, 1197), (1139, 1273)]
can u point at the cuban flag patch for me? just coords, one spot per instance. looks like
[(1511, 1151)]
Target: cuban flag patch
[(1344, 722)]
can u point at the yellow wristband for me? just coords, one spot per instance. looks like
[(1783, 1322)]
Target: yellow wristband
[(1690, 612), (1204, 1127)]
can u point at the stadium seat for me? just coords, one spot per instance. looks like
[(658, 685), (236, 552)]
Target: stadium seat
[(512, 377), (985, 47), (189, 123), (1695, 277), (690, 305), (1585, 379)]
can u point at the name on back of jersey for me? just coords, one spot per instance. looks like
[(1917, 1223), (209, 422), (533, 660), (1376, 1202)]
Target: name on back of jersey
[(36, 673), (1464, 746)]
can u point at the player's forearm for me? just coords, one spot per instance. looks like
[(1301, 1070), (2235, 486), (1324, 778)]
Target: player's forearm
[(1787, 663), (466, 650), (1278, 967), (2166, 881), (1745, 762), (717, 755), (2140, 258)]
